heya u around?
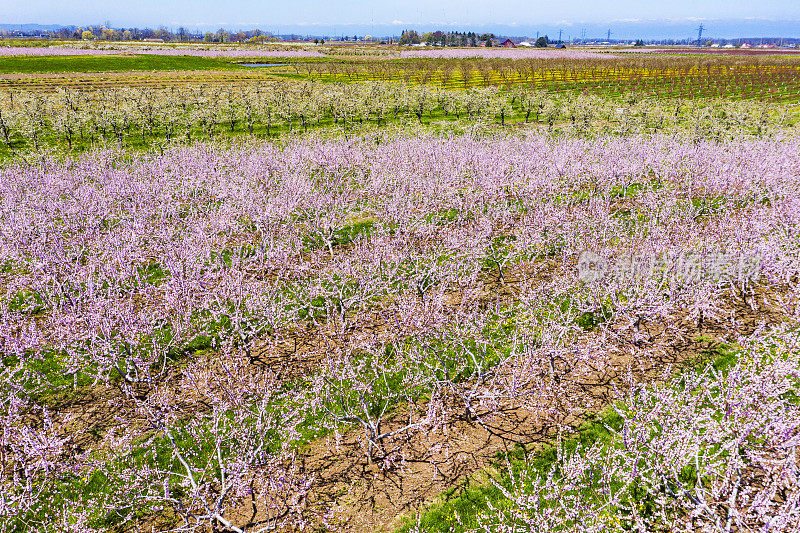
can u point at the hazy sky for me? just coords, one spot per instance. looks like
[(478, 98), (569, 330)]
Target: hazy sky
[(338, 14)]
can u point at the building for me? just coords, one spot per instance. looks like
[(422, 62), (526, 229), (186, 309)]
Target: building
[(505, 44)]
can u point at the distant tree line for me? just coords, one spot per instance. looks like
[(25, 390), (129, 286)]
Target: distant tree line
[(102, 33), (440, 38)]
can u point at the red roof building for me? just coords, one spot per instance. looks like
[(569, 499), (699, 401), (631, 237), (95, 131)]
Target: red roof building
[(505, 44)]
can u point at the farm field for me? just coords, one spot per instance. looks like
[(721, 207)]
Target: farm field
[(147, 51), (109, 63), (764, 77), (98, 81), (401, 294)]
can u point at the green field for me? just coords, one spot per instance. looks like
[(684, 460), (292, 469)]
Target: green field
[(110, 63)]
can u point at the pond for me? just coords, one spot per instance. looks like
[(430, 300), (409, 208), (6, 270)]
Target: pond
[(263, 64)]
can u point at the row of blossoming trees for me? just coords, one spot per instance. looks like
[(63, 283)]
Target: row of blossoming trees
[(143, 116), (176, 331)]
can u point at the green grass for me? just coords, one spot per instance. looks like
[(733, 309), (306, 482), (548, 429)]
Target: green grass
[(111, 63), (793, 116)]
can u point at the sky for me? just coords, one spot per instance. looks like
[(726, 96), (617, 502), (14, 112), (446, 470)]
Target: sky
[(387, 17)]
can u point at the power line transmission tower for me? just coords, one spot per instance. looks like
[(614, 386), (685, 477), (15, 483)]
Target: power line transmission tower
[(559, 36), (609, 35), (699, 34)]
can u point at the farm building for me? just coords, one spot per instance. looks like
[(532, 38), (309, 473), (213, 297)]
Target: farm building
[(504, 44)]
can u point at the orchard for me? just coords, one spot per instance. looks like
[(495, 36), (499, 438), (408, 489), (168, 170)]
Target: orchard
[(393, 304)]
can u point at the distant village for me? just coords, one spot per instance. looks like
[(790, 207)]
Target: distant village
[(406, 38)]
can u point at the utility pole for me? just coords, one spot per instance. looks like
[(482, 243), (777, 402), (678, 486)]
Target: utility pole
[(699, 34)]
